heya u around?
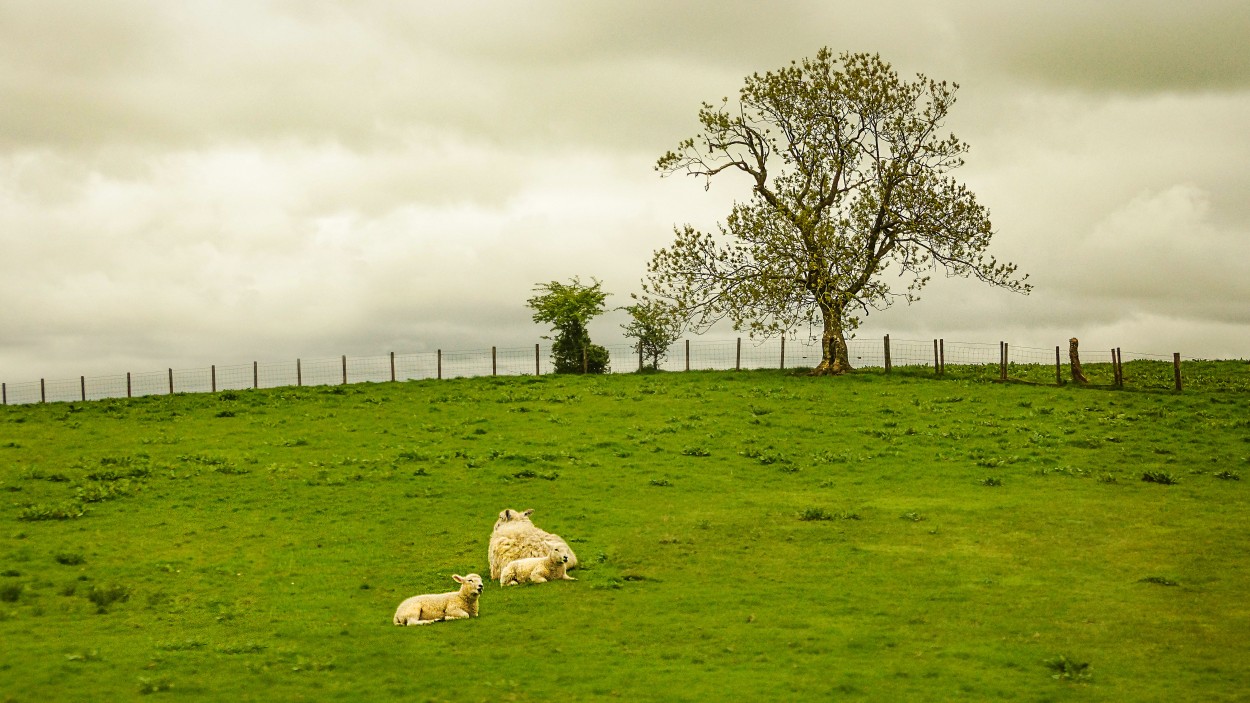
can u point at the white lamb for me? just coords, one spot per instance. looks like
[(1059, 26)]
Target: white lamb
[(425, 609), (516, 537), (537, 569)]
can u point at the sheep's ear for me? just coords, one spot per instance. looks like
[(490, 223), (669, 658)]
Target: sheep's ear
[(458, 577), (507, 514), (529, 512)]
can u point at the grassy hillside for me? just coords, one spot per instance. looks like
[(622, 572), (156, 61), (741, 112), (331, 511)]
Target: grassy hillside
[(763, 534)]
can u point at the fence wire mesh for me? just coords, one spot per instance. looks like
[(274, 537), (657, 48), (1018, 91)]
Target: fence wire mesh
[(1037, 365)]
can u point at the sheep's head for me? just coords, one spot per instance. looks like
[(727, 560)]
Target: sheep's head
[(558, 555), (472, 581), (513, 516)]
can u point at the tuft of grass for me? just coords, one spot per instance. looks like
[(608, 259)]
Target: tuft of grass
[(1228, 475), (991, 481), (811, 514), (105, 596), (70, 558), (912, 516), (10, 592), (661, 482), (1159, 477)]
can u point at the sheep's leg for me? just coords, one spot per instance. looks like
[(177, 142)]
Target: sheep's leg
[(538, 578), (566, 577), (456, 614)]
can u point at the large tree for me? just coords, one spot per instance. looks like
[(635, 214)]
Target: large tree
[(849, 182)]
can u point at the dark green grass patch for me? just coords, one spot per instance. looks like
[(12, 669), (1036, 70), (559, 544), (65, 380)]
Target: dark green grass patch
[(762, 534)]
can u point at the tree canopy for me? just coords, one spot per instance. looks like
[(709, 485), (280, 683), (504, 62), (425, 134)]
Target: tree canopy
[(568, 308), (849, 181)]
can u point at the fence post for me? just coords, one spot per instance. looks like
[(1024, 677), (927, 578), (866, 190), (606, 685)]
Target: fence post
[(942, 354), (1176, 369), (783, 352), (494, 362), (440, 364), (345, 369), (43, 395), (171, 381), (213, 369), (888, 365), (537, 369), (1006, 359), (255, 375), (83, 381), (1058, 372), (640, 356), (937, 369), (4, 393), (687, 354), (1119, 367), (392, 367), (299, 373), (738, 356), (128, 384)]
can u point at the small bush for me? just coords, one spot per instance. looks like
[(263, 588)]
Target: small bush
[(1159, 477)]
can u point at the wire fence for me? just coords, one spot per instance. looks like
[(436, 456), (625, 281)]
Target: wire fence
[(996, 362)]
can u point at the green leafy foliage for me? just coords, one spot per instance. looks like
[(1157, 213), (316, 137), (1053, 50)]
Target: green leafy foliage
[(569, 308)]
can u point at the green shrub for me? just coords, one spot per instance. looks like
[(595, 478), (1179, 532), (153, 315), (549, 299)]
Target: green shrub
[(1159, 477)]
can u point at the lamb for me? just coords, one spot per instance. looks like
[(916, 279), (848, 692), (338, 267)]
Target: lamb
[(516, 537), (537, 569), (425, 609)]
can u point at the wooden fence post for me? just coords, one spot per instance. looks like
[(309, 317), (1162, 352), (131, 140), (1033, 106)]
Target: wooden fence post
[(942, 354), (783, 352), (392, 367), (640, 356), (1058, 372), (888, 366), (213, 376), (1119, 366), (1176, 369), (937, 368), (494, 362), (128, 384), (738, 356), (345, 369), (440, 364), (82, 380), (1074, 358), (255, 374), (687, 354), (1006, 358), (537, 369), (1115, 368), (299, 373), (4, 393), (171, 381), (43, 394)]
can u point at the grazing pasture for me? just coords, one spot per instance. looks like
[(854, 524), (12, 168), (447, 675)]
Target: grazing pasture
[(761, 535)]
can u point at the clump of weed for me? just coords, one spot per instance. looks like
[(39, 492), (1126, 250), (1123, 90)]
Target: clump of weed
[(1158, 580), (1229, 475), (991, 481), (231, 470), (10, 592), (530, 473), (912, 516), (1068, 669), (661, 482), (70, 558), (105, 596), (696, 451), (60, 511), (181, 646), (155, 685), (241, 648), (1159, 477), (812, 514), (100, 492)]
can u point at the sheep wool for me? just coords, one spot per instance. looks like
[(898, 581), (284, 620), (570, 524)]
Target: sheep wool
[(516, 537), (456, 605), (537, 569)]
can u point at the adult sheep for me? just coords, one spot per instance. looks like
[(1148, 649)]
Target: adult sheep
[(516, 537), (432, 607)]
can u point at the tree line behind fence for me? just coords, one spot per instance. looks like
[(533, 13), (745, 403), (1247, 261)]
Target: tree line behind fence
[(1001, 361)]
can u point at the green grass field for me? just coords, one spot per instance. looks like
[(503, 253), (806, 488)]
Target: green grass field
[(757, 535)]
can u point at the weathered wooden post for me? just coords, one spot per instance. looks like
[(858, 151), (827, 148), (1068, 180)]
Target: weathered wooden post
[(171, 381), (537, 369), (1074, 359), (494, 362), (1176, 369), (1058, 367), (937, 368), (255, 374), (82, 381), (888, 365), (43, 394), (783, 352), (440, 364), (640, 356), (392, 367), (942, 355), (345, 369), (128, 384), (299, 373), (213, 377), (687, 354), (4, 393), (738, 356)]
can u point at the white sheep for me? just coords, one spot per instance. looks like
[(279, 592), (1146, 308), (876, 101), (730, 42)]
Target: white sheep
[(425, 609), (516, 537), (537, 569)]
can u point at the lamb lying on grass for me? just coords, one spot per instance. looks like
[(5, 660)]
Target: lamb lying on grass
[(516, 537), (423, 610), (537, 569)]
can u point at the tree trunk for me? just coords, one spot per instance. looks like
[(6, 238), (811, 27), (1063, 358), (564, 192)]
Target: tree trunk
[(1075, 358), (835, 358)]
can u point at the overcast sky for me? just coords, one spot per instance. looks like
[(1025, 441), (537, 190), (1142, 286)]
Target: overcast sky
[(190, 183)]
